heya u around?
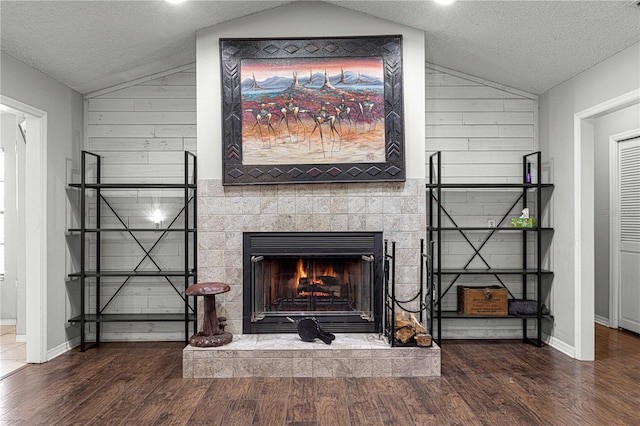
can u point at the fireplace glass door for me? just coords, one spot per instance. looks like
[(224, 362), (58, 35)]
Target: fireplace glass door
[(312, 286), (334, 277)]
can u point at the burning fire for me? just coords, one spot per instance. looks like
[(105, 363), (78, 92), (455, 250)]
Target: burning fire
[(301, 272), (328, 271)]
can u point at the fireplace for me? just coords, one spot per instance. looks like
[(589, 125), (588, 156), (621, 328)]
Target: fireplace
[(333, 276)]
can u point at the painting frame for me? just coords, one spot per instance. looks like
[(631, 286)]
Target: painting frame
[(386, 118)]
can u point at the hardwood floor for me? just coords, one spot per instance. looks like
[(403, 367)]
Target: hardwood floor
[(483, 382)]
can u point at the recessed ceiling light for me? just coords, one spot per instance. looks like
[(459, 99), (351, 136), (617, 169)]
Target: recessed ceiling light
[(445, 2), (175, 1)]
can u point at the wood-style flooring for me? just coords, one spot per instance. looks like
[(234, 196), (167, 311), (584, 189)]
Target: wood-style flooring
[(482, 383)]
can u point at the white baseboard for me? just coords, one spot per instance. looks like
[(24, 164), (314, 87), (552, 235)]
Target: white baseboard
[(22, 338), (60, 349), (5, 321), (561, 346), (602, 320)]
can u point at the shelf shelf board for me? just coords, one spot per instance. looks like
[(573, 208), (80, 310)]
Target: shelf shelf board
[(489, 185), (135, 185), (77, 230), (134, 318), (484, 228), (456, 315), (134, 274), (514, 271)]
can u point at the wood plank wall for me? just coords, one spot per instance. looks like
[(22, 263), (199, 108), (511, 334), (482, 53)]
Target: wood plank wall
[(143, 130), (482, 130)]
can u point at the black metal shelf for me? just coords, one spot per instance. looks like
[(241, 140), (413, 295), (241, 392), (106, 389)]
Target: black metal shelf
[(489, 185), (457, 315), (77, 230), (438, 214), (133, 274), (492, 271), (134, 185), (484, 228), (133, 318), (86, 277)]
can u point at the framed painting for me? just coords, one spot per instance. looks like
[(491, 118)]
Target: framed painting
[(312, 110)]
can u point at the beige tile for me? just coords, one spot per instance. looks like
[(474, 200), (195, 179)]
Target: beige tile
[(412, 367), (322, 367), (422, 367), (187, 353), (302, 367), (208, 355), (244, 367), (226, 354), (187, 368), (273, 354), (384, 353), (352, 367), (380, 367), (352, 353), (301, 354), (436, 363), (323, 353), (203, 368), (402, 367), (273, 367), (223, 367)]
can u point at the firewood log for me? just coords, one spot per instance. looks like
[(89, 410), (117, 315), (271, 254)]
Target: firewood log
[(423, 339), (402, 323), (419, 328), (404, 334)]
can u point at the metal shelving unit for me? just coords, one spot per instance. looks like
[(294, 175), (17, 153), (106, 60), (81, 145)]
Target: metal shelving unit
[(92, 186), (436, 232)]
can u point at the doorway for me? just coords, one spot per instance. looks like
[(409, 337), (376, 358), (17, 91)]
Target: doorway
[(584, 238), (35, 234), (12, 253)]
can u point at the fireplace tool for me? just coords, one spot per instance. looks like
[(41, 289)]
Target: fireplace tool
[(309, 329)]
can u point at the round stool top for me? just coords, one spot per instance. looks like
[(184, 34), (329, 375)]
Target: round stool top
[(204, 289)]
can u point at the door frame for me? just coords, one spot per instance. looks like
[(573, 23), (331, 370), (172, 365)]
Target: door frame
[(584, 220), (36, 232), (614, 224)]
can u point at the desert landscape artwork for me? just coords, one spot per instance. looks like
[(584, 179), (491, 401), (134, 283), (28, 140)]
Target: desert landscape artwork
[(312, 110)]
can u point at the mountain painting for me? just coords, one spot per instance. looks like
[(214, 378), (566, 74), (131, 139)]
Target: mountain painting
[(312, 110)]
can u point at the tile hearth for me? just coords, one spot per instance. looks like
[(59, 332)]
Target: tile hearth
[(285, 355)]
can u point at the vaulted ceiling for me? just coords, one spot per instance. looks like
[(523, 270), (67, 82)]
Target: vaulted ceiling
[(528, 45)]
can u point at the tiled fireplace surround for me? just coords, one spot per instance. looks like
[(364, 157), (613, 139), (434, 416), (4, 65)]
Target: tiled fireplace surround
[(224, 213)]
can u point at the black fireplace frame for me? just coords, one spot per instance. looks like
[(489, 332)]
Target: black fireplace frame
[(313, 244)]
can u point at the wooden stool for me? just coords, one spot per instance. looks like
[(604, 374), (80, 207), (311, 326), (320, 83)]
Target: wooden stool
[(212, 333)]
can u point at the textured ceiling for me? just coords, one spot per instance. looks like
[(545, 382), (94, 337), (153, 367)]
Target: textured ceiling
[(528, 45)]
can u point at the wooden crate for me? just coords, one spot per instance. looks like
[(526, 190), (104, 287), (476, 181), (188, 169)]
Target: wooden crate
[(484, 301)]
